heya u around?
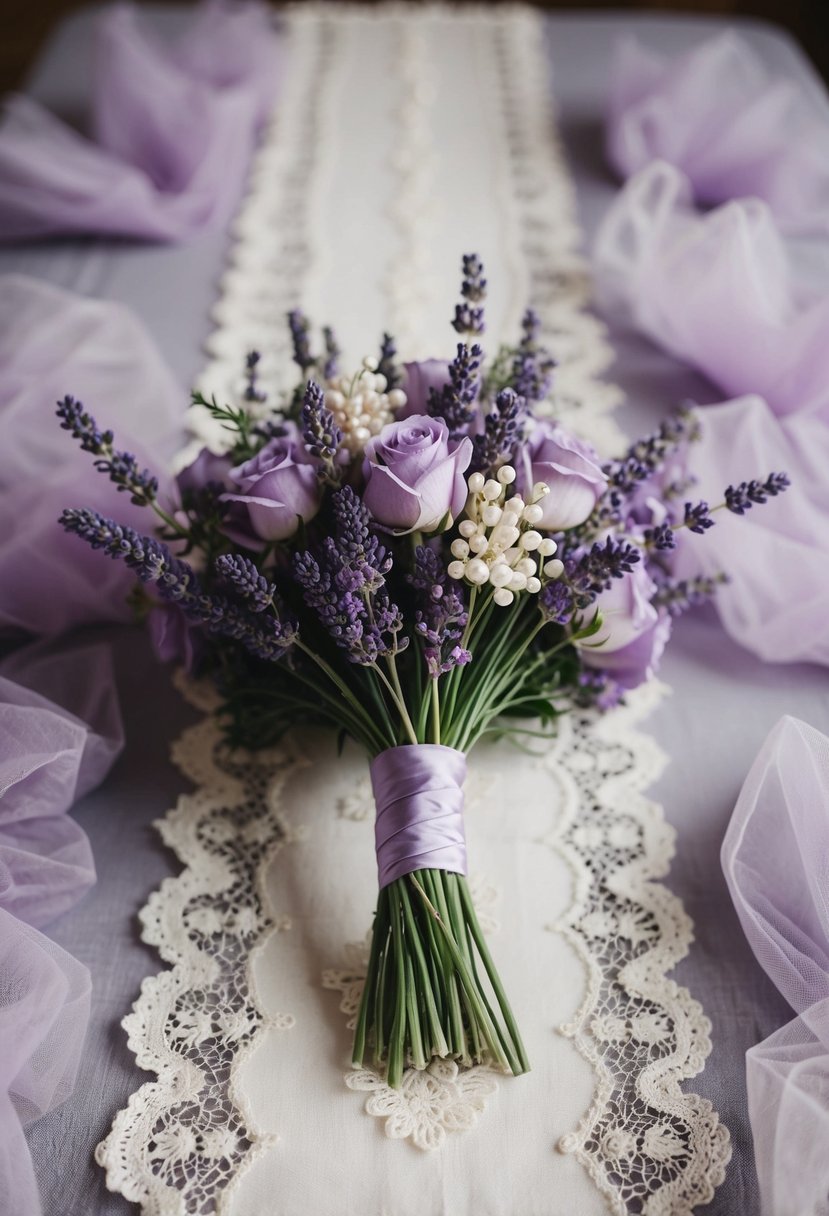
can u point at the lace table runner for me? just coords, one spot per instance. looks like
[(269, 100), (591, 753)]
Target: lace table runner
[(404, 137)]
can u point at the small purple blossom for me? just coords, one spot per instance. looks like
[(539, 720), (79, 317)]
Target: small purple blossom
[(661, 538), (591, 573), (321, 434), (532, 365), (469, 315), (697, 517), (741, 498), (121, 467), (388, 365), (345, 585), (556, 602), (243, 576), (647, 456), (252, 390), (455, 403), (300, 331), (504, 427), (332, 353), (441, 614), (678, 595)]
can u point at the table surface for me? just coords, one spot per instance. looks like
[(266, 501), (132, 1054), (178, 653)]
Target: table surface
[(724, 700)]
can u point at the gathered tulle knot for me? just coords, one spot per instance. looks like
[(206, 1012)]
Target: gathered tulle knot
[(418, 794)]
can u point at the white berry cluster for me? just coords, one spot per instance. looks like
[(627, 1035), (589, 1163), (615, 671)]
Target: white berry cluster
[(361, 406), (498, 542)]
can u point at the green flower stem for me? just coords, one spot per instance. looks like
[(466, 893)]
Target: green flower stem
[(396, 694), (397, 1042), (435, 711), (356, 708), (436, 1036)]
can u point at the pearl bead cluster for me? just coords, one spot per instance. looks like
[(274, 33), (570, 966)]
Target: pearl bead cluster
[(499, 543), (361, 406)]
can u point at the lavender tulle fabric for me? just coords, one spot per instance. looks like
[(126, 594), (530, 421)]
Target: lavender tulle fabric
[(418, 795), (716, 114), (60, 731), (776, 861), (172, 131), (720, 292), (52, 343)]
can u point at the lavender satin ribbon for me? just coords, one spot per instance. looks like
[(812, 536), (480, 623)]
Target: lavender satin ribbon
[(418, 793)]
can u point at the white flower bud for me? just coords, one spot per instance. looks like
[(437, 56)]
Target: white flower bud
[(380, 382), (459, 548), (467, 528), (503, 597), (334, 400), (533, 514), (530, 540), (370, 363), (533, 585), (547, 547), (478, 543), (500, 574), (456, 569), (491, 489), (476, 482), (397, 398), (506, 475), (477, 571), (518, 581), (526, 566), (504, 535), (491, 515), (362, 435), (554, 569), (540, 490)]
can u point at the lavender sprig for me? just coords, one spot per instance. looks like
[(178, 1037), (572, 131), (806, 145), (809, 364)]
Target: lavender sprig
[(252, 390), (678, 595), (504, 428), (697, 517), (590, 573), (388, 365), (121, 467), (661, 538), (321, 434), (267, 638), (441, 616), (345, 585), (532, 365), (242, 575), (332, 353), (455, 403), (741, 498), (469, 315), (648, 455), (300, 329)]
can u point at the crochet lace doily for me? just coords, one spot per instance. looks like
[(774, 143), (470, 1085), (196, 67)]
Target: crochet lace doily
[(187, 1139)]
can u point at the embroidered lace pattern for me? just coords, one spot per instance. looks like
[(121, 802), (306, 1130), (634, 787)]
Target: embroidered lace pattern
[(184, 1141)]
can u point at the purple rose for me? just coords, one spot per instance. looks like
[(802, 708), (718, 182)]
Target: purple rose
[(206, 468), (572, 470), (420, 378), (278, 487), (633, 633), (414, 474)]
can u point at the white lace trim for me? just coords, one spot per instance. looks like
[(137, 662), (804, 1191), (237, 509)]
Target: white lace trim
[(186, 1139)]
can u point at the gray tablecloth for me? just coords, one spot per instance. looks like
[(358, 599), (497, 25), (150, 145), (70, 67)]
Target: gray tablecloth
[(724, 700)]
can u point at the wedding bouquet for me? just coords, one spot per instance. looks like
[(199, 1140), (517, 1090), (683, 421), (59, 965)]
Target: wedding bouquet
[(415, 558)]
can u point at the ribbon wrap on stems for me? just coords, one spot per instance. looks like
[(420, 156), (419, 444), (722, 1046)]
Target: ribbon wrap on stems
[(418, 793)]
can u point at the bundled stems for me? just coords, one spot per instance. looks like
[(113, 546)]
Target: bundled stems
[(425, 996)]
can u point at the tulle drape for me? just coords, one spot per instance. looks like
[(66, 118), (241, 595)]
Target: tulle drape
[(52, 343), (173, 131), (776, 860), (53, 749), (717, 114)]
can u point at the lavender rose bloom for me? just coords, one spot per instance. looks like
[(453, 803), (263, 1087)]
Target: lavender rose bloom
[(572, 470), (414, 474), (634, 633), (420, 378), (206, 468), (277, 487)]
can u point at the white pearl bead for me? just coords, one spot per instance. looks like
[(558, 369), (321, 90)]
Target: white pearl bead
[(518, 581), (491, 515), (467, 528), (547, 547), (478, 543), (503, 597), (397, 398), (506, 475), (459, 548), (533, 585), (477, 571), (456, 569), (491, 490), (554, 569), (530, 540), (500, 574), (504, 536), (533, 514), (476, 482), (526, 566), (334, 400), (370, 363), (380, 382)]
